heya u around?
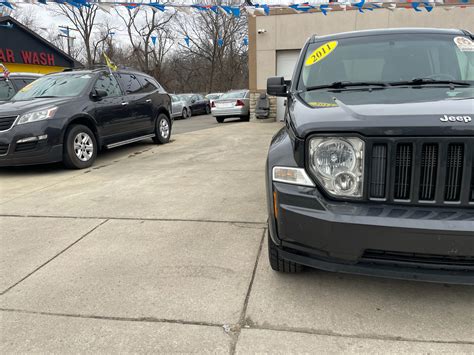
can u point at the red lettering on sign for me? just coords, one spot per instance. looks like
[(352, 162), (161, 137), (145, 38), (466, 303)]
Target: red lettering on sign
[(26, 56), (35, 58), (50, 59), (10, 56), (7, 55), (43, 59)]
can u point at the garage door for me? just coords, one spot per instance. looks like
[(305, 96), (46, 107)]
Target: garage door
[(286, 61)]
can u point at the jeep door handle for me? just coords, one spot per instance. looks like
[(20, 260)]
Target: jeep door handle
[(124, 103), (148, 101)]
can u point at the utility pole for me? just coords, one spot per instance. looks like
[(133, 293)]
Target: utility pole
[(66, 30)]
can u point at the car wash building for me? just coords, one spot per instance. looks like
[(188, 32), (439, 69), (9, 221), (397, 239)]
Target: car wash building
[(275, 40), (22, 50)]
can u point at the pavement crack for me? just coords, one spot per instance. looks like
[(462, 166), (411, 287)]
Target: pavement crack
[(112, 318), (242, 322), (371, 336), (54, 257), (236, 223)]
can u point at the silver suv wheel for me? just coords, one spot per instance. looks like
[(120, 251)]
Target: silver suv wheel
[(83, 146), (164, 128)]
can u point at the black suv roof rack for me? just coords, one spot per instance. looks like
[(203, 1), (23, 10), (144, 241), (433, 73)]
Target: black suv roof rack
[(97, 67)]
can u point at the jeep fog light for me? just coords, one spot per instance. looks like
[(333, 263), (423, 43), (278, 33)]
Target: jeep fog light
[(338, 164), (295, 176)]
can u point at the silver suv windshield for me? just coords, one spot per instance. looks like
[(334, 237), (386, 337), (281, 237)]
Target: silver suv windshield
[(57, 85), (379, 59)]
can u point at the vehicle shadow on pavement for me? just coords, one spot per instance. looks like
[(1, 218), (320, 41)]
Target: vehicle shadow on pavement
[(108, 156)]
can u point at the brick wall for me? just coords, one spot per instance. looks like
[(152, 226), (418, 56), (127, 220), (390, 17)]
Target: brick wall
[(254, 95)]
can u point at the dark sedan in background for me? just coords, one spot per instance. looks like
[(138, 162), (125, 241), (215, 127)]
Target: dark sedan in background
[(197, 103), (70, 116)]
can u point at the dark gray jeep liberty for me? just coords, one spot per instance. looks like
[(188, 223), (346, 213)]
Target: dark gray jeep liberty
[(373, 172)]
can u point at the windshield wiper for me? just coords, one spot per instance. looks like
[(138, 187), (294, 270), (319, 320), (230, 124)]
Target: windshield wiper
[(346, 84), (429, 81)]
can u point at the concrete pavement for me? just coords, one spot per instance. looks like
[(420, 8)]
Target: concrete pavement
[(162, 249)]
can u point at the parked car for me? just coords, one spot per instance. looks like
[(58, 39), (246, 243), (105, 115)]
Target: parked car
[(197, 103), (213, 96), (235, 103), (373, 172), (70, 116), (15, 82), (179, 107)]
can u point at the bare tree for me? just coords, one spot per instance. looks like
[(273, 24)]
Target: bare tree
[(215, 38), (26, 16), (83, 19), (102, 40), (142, 24)]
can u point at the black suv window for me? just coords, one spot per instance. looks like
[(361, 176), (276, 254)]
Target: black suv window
[(130, 83), (6, 90), (109, 84), (147, 84), (20, 83)]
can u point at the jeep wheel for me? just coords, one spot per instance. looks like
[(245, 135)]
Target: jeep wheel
[(162, 129), (279, 264), (80, 147)]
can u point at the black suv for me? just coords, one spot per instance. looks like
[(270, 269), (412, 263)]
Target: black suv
[(15, 82), (69, 116), (373, 172)]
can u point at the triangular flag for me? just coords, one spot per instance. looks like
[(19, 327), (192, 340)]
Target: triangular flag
[(235, 11), (157, 6), (415, 6), (6, 4), (109, 63)]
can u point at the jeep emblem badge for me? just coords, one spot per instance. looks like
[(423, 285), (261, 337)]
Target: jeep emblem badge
[(465, 119)]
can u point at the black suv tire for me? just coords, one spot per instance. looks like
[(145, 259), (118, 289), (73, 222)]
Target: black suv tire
[(279, 264), (70, 158), (161, 137)]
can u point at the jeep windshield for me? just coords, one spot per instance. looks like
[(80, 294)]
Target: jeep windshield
[(385, 61), (57, 85)]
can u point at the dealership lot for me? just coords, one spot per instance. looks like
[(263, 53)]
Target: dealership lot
[(162, 248)]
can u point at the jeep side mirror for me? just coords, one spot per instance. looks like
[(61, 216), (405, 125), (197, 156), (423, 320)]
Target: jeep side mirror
[(98, 94), (277, 86)]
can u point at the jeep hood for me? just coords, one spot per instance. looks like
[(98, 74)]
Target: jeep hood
[(398, 111)]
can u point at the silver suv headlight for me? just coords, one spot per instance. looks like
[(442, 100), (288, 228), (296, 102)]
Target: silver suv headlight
[(38, 115), (338, 164)]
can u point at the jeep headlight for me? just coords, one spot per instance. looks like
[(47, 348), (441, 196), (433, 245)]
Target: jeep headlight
[(38, 115), (338, 164)]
